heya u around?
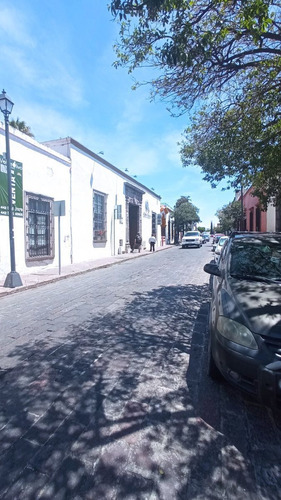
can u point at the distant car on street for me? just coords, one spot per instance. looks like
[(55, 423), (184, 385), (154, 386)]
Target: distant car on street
[(191, 239), (245, 315), (205, 237)]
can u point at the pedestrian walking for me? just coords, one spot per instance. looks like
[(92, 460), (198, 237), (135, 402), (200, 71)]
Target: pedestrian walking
[(137, 243), (152, 241)]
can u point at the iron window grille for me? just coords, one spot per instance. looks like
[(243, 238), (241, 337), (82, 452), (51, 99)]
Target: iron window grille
[(39, 227), (153, 225), (99, 217)]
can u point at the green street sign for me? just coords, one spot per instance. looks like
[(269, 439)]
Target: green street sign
[(16, 181)]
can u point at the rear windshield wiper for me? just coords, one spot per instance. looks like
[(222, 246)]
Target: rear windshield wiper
[(252, 277)]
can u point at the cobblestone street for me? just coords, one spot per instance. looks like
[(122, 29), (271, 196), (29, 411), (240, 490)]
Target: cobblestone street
[(104, 392)]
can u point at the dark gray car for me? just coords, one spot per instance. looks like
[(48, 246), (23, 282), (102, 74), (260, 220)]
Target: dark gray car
[(245, 315)]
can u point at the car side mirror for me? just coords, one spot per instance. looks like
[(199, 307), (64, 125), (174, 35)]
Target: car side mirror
[(212, 268)]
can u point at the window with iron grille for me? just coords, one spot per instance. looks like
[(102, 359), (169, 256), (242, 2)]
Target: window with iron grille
[(39, 230), (99, 217), (153, 225)]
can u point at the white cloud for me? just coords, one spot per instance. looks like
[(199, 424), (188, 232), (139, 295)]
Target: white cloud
[(169, 144), (132, 115), (45, 122), (14, 27), (138, 160), (38, 58)]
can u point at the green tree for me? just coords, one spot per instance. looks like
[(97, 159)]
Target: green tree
[(21, 126), (197, 48), (185, 214), (181, 200), (241, 143), (229, 216), (228, 53)]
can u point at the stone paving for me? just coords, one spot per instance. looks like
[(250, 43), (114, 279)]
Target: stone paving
[(34, 277), (104, 392)]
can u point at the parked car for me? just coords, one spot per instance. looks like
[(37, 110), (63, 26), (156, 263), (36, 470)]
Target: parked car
[(245, 315), (219, 247), (191, 239), (216, 238)]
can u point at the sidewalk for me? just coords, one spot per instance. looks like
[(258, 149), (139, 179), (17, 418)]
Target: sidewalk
[(49, 275)]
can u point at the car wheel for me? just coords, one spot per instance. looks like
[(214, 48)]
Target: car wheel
[(212, 368)]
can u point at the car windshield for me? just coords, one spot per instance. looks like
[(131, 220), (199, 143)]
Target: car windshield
[(192, 233), (222, 241), (256, 257)]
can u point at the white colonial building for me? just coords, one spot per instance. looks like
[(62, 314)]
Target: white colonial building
[(68, 202)]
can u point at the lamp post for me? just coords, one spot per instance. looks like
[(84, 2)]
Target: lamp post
[(13, 278)]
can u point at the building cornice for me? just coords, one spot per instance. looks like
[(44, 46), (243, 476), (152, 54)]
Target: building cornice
[(30, 143)]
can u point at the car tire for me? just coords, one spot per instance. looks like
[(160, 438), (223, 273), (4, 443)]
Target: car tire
[(212, 368)]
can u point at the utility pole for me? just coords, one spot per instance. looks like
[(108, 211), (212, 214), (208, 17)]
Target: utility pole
[(242, 210)]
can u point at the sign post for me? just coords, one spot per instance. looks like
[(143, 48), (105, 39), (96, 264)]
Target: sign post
[(59, 210)]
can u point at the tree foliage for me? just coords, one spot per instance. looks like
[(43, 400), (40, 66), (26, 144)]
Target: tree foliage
[(228, 216), (21, 126), (240, 142), (185, 213), (228, 54), (198, 47), (181, 200)]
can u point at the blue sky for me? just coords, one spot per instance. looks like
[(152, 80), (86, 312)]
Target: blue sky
[(56, 61)]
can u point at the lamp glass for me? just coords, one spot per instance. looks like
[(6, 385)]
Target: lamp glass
[(6, 105)]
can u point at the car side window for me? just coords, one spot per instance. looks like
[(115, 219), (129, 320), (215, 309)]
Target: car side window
[(223, 253)]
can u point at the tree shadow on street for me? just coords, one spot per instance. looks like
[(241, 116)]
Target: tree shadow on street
[(249, 448), (121, 408)]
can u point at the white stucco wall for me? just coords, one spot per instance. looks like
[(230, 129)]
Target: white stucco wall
[(150, 205), (90, 172), (66, 170), (45, 173), (88, 175), (271, 218)]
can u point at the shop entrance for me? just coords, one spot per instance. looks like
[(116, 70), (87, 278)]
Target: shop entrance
[(133, 223)]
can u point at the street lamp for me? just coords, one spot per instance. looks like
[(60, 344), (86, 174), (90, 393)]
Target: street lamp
[(13, 278)]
